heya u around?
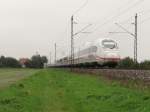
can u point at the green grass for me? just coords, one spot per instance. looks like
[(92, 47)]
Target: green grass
[(9, 76), (62, 91)]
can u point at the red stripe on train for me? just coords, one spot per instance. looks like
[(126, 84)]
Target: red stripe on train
[(107, 58)]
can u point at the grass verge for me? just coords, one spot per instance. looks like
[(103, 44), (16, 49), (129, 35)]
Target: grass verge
[(9, 76), (56, 90)]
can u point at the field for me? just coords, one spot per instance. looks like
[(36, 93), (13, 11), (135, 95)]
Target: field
[(10, 76), (52, 90)]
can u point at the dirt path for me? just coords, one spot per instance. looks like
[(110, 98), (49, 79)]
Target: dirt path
[(9, 77)]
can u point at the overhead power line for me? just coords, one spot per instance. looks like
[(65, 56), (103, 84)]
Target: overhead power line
[(135, 35), (128, 2), (144, 12), (81, 31), (85, 3), (119, 14), (72, 33), (108, 16), (145, 20), (125, 21)]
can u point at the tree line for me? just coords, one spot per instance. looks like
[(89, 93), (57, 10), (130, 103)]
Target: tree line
[(9, 62), (128, 63), (36, 61)]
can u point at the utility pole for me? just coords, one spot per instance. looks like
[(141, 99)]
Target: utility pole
[(50, 58), (72, 34), (135, 41), (72, 42), (55, 52), (132, 34), (79, 55), (72, 38)]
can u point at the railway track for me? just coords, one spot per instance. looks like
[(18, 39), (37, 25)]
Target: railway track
[(115, 74), (119, 74)]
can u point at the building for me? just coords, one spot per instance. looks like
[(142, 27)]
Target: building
[(23, 62)]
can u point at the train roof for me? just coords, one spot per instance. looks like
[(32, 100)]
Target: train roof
[(101, 39)]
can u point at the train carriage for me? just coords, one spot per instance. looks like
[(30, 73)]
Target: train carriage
[(103, 52)]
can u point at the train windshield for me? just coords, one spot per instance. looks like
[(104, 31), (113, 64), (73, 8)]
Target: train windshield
[(109, 44)]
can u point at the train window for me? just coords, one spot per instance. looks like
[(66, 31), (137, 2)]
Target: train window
[(109, 44), (92, 49)]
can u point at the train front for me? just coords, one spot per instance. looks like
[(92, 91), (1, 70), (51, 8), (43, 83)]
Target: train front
[(109, 52)]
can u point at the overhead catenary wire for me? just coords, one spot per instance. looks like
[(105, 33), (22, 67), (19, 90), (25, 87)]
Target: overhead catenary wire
[(68, 21), (85, 3), (129, 1), (117, 15), (145, 20), (125, 21), (72, 32), (108, 16), (144, 12)]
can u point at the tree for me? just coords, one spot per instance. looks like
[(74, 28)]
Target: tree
[(145, 65), (2, 61), (9, 62), (44, 59), (12, 62), (36, 61), (127, 63)]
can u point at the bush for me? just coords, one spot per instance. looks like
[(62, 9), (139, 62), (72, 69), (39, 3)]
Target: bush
[(145, 65), (9, 62), (36, 61), (127, 63)]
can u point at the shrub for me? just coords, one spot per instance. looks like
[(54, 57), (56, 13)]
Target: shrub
[(145, 65), (9, 62), (127, 63), (36, 61)]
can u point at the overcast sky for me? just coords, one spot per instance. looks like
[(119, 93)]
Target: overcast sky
[(27, 26)]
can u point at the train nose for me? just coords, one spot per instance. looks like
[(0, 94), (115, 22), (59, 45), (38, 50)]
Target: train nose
[(112, 56)]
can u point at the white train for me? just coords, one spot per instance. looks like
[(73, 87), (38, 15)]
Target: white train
[(101, 52)]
